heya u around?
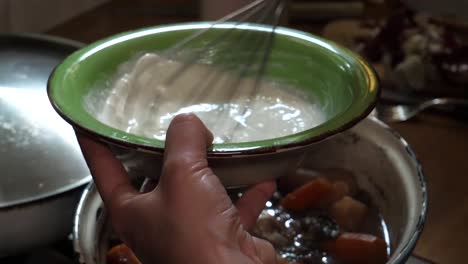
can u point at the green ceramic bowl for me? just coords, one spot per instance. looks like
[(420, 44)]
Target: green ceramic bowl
[(344, 84)]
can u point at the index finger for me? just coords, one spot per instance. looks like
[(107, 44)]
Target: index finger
[(108, 172)]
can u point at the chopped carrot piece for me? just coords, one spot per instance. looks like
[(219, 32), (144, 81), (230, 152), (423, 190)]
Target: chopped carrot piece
[(310, 195), (121, 254), (302, 176), (355, 248)]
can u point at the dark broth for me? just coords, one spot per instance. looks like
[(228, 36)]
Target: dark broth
[(300, 234)]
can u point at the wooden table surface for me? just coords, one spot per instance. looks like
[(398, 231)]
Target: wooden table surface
[(440, 142), (441, 145)]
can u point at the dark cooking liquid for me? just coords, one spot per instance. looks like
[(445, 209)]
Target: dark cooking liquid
[(299, 235)]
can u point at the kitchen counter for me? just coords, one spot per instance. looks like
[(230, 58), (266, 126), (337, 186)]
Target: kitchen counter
[(440, 142)]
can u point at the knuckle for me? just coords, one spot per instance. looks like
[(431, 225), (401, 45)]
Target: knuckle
[(184, 165), (117, 211), (119, 208), (122, 212)]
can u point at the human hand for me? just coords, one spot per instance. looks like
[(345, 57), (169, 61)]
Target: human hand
[(188, 217)]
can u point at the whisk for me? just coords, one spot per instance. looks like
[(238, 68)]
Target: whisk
[(253, 46), (228, 47)]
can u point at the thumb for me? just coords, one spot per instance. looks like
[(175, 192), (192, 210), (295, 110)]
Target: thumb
[(187, 141), (265, 251)]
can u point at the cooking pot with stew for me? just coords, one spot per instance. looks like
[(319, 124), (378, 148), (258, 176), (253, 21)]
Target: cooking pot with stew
[(359, 197)]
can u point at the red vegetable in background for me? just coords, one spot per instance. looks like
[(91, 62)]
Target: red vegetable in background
[(121, 254), (304, 176), (309, 195), (319, 193), (354, 248)]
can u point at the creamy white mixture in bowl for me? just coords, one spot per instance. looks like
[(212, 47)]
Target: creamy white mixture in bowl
[(142, 100)]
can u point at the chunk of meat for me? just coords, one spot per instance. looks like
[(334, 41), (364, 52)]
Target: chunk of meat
[(121, 254), (355, 248), (277, 239), (348, 213), (269, 228), (309, 196), (267, 224)]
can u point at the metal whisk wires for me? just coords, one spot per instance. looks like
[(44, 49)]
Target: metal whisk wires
[(245, 52)]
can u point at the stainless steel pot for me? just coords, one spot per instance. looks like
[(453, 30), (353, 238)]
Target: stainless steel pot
[(42, 169), (383, 162)]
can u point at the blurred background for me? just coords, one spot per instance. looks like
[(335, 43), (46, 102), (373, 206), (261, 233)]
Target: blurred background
[(411, 43)]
